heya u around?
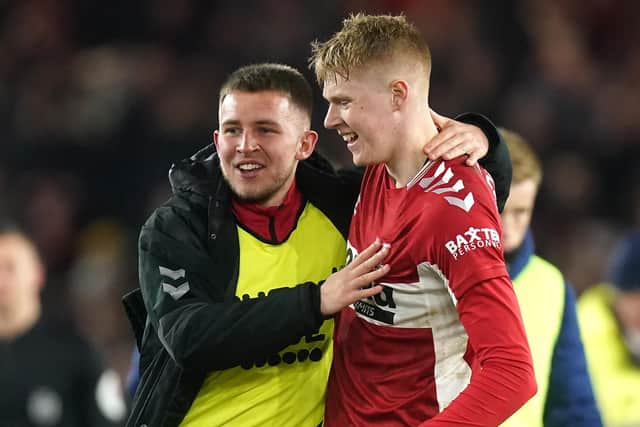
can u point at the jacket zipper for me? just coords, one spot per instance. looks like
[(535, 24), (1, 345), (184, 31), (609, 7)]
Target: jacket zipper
[(272, 229)]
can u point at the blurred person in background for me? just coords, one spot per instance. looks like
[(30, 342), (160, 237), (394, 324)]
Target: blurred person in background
[(49, 376), (230, 317), (609, 314), (548, 306), (103, 269)]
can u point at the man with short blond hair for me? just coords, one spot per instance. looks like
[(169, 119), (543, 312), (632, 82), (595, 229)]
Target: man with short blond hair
[(443, 344)]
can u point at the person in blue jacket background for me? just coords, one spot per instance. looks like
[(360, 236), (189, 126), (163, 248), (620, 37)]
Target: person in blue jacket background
[(548, 305)]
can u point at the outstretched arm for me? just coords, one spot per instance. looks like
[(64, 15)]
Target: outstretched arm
[(200, 326)]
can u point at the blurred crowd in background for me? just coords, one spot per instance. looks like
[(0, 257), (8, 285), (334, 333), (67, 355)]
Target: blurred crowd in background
[(99, 98)]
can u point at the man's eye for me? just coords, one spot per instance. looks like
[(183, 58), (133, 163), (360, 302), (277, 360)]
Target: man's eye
[(266, 130), (232, 131)]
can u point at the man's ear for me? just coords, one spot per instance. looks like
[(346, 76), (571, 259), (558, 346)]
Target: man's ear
[(399, 93), (216, 135), (307, 144)]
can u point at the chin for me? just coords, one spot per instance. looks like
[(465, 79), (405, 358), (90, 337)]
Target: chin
[(259, 196), (360, 160), (511, 246)]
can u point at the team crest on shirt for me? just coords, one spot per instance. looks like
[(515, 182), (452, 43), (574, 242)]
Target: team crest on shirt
[(441, 182), (472, 239)]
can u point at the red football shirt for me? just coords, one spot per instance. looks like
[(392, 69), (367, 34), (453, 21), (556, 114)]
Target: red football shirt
[(403, 356)]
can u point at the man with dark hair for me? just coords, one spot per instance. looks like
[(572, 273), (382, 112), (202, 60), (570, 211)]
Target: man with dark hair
[(275, 77), (444, 343), (231, 321), (50, 376)]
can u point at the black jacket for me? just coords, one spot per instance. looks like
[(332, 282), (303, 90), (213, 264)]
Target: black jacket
[(189, 248)]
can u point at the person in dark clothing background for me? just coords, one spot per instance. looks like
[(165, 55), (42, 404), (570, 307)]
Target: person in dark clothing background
[(49, 376)]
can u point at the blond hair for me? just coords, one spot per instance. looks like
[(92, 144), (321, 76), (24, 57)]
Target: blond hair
[(364, 39), (525, 162)]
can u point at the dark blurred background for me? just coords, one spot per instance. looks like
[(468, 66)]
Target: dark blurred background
[(98, 98)]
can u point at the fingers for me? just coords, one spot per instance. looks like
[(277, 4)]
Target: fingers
[(344, 288), (367, 253), (448, 145), (371, 262), (473, 158), (368, 292), (440, 121), (458, 139), (371, 276)]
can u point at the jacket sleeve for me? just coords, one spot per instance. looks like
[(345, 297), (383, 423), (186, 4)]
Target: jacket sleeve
[(198, 323), (497, 161), (570, 399)]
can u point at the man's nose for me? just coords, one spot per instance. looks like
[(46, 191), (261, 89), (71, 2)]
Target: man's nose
[(331, 119), (247, 143)]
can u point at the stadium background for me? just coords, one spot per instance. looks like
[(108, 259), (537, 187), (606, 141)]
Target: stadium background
[(98, 98)]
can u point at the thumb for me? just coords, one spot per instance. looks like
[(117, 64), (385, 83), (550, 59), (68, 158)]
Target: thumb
[(440, 121)]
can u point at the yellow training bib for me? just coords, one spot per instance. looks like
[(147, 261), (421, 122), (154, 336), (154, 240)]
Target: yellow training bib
[(287, 388)]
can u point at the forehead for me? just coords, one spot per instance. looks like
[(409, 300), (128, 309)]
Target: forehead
[(523, 193), (360, 80), (250, 106)]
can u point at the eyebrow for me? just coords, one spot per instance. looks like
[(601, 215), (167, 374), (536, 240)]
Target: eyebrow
[(338, 99), (263, 122)]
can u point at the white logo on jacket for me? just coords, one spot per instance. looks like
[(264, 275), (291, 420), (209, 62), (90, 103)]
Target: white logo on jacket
[(176, 292)]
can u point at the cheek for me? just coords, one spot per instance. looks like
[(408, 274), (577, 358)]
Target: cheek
[(524, 221), (225, 150), (515, 222), (508, 223), (514, 229), (285, 156)]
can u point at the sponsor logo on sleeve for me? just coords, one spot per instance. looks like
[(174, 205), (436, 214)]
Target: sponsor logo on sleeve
[(473, 239)]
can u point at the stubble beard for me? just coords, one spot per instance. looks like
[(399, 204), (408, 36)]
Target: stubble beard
[(258, 195)]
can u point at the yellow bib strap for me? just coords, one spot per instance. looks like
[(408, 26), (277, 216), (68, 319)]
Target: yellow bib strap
[(541, 293)]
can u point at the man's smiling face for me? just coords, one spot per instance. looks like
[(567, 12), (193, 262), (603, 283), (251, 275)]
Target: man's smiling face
[(259, 143)]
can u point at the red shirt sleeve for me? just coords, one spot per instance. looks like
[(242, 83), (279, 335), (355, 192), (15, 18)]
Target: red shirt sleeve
[(503, 378), (466, 230)]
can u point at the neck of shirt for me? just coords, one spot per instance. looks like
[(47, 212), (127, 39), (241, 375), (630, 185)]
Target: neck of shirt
[(272, 224)]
